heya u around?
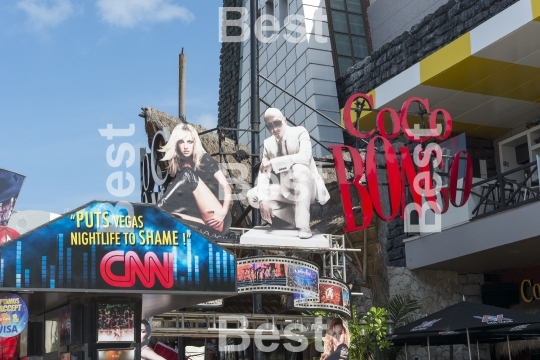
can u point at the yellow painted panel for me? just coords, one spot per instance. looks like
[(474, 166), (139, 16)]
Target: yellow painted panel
[(446, 57), (488, 132), (478, 131), (513, 82), (491, 77), (466, 73), (536, 9)]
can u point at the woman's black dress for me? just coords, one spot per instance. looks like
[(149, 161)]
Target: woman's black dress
[(179, 199)]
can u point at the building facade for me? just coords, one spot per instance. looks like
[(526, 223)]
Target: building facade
[(303, 57), (480, 61)]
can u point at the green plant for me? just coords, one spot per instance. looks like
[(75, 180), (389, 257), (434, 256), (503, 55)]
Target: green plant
[(367, 338), (402, 310)]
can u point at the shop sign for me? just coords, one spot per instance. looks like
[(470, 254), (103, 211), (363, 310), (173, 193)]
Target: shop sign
[(117, 245), (416, 170), (13, 315), (529, 291)]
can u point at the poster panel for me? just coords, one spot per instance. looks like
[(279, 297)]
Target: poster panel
[(13, 315), (117, 246), (116, 322), (195, 195), (278, 275), (65, 325), (334, 296), (116, 354), (10, 187), (7, 234)]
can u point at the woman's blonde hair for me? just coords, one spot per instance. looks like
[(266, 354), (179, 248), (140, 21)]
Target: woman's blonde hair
[(329, 339), (181, 131)]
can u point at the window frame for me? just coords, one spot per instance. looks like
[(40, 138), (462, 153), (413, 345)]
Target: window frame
[(364, 5)]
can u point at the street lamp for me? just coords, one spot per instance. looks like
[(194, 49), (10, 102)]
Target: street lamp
[(362, 324), (390, 326)]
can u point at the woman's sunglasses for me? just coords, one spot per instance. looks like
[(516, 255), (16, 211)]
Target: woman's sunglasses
[(274, 124)]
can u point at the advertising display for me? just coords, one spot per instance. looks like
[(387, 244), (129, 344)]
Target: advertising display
[(417, 166), (199, 193), (117, 246), (116, 323), (334, 296), (116, 354), (65, 325), (10, 186), (7, 234), (279, 275), (13, 315), (336, 340), (288, 182), (297, 278)]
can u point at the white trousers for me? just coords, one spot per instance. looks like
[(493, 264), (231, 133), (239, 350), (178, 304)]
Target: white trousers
[(291, 198)]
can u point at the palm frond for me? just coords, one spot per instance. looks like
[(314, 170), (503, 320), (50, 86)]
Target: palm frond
[(401, 309)]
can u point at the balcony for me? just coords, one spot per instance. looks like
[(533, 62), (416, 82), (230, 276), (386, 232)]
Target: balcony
[(502, 230)]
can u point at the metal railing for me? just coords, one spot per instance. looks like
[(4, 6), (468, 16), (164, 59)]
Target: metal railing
[(502, 192)]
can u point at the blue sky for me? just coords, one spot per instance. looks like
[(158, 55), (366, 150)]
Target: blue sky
[(70, 67)]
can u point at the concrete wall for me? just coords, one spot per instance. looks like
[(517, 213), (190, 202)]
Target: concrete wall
[(304, 69), (390, 18)]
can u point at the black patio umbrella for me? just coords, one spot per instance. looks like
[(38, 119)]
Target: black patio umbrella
[(524, 330), (473, 318), (454, 337)]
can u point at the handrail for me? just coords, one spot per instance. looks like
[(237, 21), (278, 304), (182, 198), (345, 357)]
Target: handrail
[(501, 193)]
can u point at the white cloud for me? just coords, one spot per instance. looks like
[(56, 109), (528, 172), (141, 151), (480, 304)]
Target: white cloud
[(208, 121), (128, 13), (46, 13)]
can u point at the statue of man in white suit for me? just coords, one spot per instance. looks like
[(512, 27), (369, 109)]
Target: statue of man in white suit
[(287, 154)]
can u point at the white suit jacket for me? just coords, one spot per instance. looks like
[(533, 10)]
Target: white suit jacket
[(298, 151)]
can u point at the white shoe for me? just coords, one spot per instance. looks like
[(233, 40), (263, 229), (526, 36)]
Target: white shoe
[(304, 233)]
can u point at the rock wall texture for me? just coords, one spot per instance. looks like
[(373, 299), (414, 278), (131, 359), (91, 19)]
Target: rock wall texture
[(229, 76), (446, 24)]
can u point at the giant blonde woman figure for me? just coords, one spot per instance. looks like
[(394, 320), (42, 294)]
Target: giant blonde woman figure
[(200, 194)]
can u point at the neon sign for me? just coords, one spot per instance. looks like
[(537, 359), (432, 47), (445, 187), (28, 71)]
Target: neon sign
[(146, 271), (423, 183)]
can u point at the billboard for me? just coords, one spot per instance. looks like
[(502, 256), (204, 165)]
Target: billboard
[(117, 246), (295, 277), (274, 274), (198, 192), (334, 296), (10, 186)]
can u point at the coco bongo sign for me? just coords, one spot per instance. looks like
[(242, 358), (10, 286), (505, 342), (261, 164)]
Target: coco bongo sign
[(416, 169)]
